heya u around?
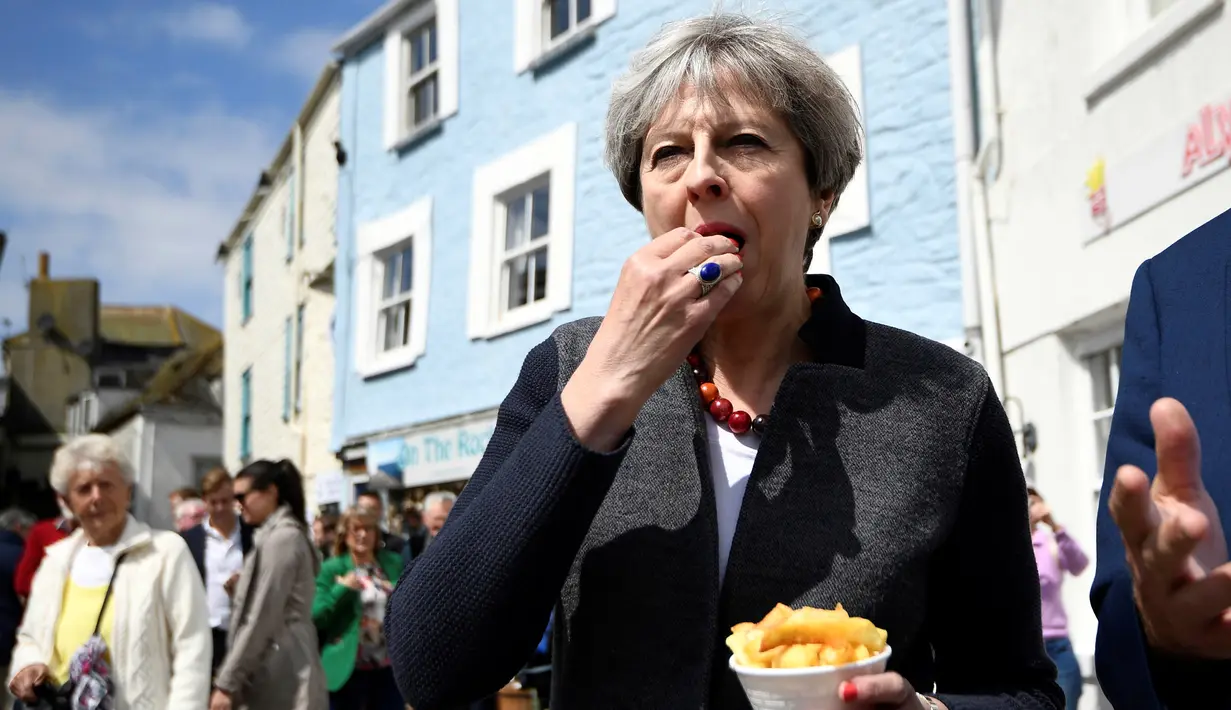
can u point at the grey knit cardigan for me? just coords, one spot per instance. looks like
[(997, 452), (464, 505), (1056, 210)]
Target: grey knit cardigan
[(888, 481)]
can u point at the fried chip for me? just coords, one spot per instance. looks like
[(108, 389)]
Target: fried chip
[(805, 638)]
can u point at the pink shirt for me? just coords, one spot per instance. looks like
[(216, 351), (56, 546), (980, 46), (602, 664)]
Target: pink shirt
[(1053, 561)]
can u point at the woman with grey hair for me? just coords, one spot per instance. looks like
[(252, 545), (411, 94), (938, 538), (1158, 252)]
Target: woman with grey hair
[(116, 606), (731, 436)]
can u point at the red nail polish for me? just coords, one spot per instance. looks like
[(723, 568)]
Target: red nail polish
[(848, 692)]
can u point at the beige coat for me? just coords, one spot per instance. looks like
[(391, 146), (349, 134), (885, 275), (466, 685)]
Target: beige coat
[(274, 658)]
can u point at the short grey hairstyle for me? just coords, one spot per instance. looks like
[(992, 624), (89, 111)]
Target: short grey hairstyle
[(769, 63), (192, 506), (438, 498), (89, 451), (14, 519)]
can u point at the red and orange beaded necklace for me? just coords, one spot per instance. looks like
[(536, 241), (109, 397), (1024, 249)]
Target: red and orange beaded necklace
[(720, 408)]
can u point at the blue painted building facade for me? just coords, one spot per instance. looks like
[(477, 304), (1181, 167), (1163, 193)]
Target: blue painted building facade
[(476, 215)]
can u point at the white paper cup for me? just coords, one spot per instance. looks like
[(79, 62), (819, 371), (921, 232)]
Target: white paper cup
[(803, 688)]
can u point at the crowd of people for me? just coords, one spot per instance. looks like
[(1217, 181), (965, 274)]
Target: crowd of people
[(247, 607)]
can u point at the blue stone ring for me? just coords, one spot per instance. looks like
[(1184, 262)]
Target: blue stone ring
[(708, 275)]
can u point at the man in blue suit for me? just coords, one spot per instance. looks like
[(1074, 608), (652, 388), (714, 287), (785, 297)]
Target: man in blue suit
[(1162, 590)]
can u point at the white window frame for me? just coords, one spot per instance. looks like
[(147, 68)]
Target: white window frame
[(1150, 35), (410, 226), (502, 255), (553, 156), (399, 299), (398, 81), (533, 45), (853, 212), (301, 317), (1089, 345)]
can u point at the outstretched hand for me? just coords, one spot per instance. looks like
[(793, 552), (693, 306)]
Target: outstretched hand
[(1174, 542)]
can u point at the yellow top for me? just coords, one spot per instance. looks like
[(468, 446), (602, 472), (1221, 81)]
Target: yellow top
[(78, 614)]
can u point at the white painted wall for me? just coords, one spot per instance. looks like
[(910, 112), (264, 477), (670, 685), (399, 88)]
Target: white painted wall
[(1058, 289), (280, 286), (162, 446), (1048, 52), (320, 247)]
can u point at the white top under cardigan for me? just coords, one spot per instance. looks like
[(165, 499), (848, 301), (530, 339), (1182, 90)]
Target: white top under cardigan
[(731, 459)]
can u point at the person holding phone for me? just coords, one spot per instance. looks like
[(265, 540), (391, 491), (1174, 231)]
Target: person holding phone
[(1056, 553)]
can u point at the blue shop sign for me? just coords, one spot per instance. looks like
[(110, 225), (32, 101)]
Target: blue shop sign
[(433, 453)]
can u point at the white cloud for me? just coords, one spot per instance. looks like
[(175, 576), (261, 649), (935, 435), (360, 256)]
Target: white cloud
[(300, 52), (208, 22), (303, 52), (139, 198)]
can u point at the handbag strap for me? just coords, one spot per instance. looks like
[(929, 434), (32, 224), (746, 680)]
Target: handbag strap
[(107, 597)]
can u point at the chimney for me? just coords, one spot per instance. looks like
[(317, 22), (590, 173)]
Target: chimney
[(44, 265)]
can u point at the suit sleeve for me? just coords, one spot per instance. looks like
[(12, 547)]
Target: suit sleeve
[(194, 538), (985, 577), (1130, 673), (471, 609)]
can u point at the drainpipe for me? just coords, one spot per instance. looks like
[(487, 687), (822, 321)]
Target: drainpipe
[(961, 82), (987, 169), (978, 286)]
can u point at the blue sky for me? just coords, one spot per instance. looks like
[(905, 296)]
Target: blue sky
[(132, 131)]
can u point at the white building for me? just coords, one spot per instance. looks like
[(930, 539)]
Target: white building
[(170, 429), (279, 301), (1106, 136)]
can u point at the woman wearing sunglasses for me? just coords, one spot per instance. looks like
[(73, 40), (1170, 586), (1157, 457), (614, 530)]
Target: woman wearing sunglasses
[(273, 661)]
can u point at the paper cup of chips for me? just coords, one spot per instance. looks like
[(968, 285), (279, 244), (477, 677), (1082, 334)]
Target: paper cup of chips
[(795, 659)]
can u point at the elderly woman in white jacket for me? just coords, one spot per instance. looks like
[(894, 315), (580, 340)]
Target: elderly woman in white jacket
[(154, 624)]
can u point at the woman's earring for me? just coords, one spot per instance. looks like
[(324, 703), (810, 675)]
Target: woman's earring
[(817, 220)]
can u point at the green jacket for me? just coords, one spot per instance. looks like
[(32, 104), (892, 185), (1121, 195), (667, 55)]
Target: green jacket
[(336, 612)]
